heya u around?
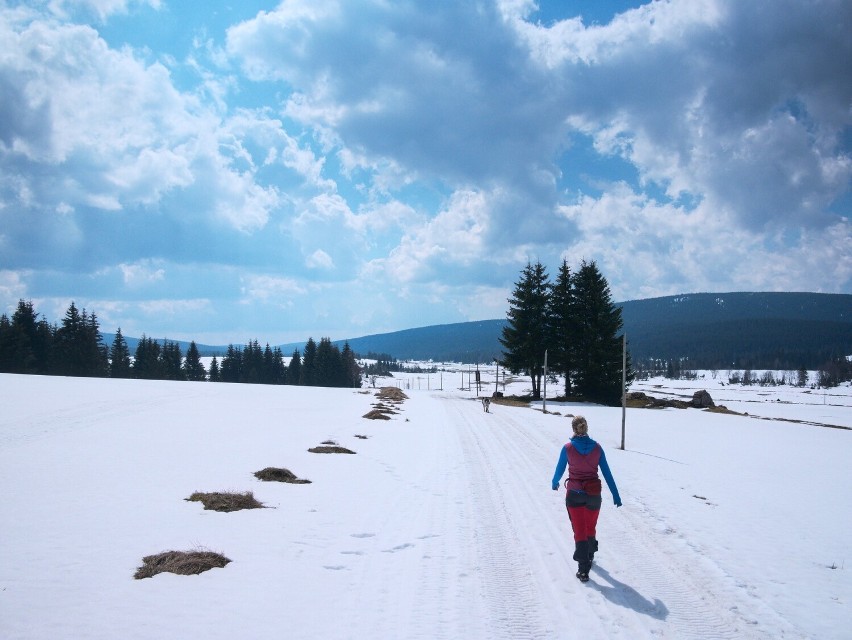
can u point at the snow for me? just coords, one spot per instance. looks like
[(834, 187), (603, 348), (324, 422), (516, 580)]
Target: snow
[(443, 525)]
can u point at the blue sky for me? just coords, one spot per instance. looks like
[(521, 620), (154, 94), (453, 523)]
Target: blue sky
[(256, 170)]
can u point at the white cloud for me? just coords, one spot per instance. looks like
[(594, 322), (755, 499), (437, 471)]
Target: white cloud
[(102, 9), (270, 289), (141, 273), (455, 237), (12, 288), (319, 259)]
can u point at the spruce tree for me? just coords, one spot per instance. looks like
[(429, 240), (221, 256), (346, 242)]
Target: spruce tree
[(307, 374), (597, 338), (171, 359), (562, 315), (328, 371), (119, 357), (232, 363), (525, 337), (7, 349), (351, 370), (147, 364), (79, 350), (192, 368), (279, 371), (23, 332), (214, 370), (294, 369)]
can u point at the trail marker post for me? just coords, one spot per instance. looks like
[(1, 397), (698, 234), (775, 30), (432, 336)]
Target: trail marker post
[(623, 385)]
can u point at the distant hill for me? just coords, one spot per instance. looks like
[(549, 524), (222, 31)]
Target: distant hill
[(708, 330), (741, 330), (203, 349)]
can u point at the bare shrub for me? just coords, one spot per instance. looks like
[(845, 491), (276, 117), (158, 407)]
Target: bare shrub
[(274, 474), (185, 563), (224, 501)]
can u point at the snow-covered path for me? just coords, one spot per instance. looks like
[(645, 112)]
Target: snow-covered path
[(443, 524), (641, 587)]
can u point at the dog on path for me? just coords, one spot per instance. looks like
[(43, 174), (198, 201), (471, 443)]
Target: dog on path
[(486, 404)]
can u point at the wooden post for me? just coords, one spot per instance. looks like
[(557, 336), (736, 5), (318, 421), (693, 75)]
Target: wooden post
[(623, 385), (544, 402), (497, 377)]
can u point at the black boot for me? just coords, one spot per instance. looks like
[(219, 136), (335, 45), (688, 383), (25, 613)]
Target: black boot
[(593, 547), (581, 555)]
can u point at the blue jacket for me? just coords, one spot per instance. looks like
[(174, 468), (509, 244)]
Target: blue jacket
[(584, 444)]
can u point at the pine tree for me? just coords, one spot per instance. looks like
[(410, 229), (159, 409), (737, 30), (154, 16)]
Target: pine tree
[(192, 368), (119, 357), (598, 343), (525, 337)]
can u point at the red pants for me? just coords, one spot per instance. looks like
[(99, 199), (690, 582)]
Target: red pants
[(583, 511), (584, 521)]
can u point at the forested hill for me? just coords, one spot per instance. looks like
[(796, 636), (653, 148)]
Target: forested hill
[(741, 330), (711, 330)]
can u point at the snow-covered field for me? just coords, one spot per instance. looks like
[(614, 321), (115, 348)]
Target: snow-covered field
[(443, 525)]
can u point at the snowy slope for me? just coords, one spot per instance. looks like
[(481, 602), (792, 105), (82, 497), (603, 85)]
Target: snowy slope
[(443, 525)]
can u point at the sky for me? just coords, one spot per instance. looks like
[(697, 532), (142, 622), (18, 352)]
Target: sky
[(224, 172)]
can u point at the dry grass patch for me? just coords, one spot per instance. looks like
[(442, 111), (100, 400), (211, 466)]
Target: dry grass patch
[(376, 414), (332, 449), (184, 563), (274, 474), (512, 401), (391, 393), (723, 409), (360, 437), (224, 501)]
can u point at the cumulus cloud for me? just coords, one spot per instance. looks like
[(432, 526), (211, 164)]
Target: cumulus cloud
[(102, 9), (319, 259), (324, 146)]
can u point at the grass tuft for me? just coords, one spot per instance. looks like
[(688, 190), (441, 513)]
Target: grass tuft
[(185, 563), (226, 502), (325, 449), (273, 474)]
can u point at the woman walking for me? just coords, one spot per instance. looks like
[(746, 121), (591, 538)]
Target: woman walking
[(583, 456)]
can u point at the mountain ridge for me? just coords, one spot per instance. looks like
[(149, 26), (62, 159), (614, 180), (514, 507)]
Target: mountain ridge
[(709, 330)]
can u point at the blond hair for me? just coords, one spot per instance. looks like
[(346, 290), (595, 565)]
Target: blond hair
[(580, 426)]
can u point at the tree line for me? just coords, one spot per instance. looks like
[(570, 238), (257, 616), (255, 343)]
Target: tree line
[(75, 347), (574, 321)]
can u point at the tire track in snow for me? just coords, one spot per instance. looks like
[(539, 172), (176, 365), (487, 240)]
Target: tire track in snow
[(508, 587), (648, 585)]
